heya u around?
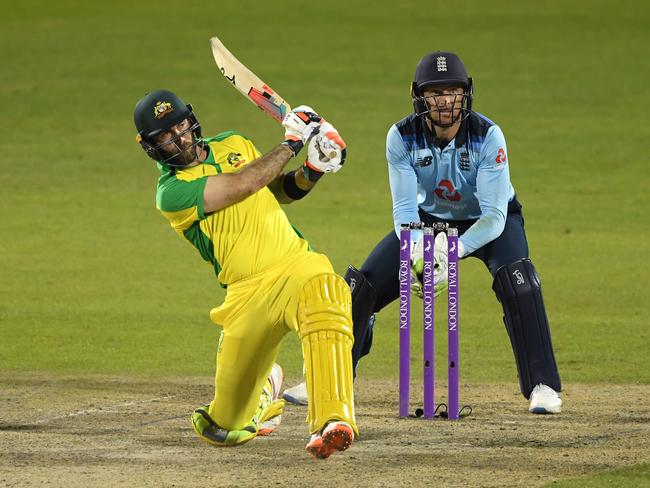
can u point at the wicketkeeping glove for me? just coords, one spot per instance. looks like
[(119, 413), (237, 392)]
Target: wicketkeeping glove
[(326, 152), (440, 276), (300, 125)]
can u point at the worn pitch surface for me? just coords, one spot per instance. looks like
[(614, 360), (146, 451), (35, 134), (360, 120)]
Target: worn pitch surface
[(120, 431)]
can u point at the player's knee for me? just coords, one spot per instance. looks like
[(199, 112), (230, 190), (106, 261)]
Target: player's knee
[(325, 304), (516, 280)]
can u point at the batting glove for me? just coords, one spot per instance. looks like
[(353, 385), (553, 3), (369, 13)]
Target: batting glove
[(326, 153), (300, 125)]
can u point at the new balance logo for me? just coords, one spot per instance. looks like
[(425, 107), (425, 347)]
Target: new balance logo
[(441, 63), (423, 162)]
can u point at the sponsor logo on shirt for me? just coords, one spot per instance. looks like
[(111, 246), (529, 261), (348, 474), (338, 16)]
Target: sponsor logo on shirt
[(423, 162), (501, 156), (464, 161), (235, 160), (446, 191)]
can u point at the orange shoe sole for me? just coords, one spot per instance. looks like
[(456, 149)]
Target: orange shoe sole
[(337, 439)]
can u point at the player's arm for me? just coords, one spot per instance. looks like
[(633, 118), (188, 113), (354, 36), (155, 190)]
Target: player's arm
[(326, 153), (493, 192), (225, 189), (403, 183), (404, 189), (291, 186)]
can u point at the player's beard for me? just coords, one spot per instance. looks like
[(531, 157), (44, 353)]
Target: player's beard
[(185, 155)]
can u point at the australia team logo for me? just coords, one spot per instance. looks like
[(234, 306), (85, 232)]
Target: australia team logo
[(446, 191), (161, 109), (235, 160)]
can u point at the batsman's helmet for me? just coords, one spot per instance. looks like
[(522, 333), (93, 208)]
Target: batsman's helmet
[(157, 112), (436, 69)]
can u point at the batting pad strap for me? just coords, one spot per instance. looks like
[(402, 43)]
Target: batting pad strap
[(325, 326)]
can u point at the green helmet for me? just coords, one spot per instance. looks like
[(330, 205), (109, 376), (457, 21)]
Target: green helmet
[(157, 112)]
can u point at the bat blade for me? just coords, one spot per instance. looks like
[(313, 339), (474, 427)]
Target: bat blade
[(248, 83)]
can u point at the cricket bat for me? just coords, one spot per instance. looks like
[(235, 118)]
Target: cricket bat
[(248, 83)]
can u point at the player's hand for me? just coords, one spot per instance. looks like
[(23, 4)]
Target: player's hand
[(300, 125), (326, 152)]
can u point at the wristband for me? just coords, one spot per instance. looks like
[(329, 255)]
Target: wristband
[(295, 146), (292, 190)]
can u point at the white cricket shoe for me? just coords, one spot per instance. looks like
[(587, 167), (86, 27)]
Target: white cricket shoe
[(296, 395), (544, 399), (276, 378), (274, 383)]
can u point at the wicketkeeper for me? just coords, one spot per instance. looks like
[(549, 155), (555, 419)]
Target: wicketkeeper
[(448, 163), (221, 195)]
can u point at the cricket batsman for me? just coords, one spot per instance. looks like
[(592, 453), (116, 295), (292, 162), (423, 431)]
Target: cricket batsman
[(220, 194)]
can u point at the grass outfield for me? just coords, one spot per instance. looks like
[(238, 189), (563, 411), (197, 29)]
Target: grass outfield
[(93, 280), (633, 477)]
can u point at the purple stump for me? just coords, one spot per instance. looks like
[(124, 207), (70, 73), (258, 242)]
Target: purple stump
[(404, 320), (452, 322), (428, 323)]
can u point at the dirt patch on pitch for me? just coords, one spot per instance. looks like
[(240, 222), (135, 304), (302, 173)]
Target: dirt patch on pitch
[(104, 431)]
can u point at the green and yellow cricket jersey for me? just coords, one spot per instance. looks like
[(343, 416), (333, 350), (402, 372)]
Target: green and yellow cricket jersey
[(240, 240)]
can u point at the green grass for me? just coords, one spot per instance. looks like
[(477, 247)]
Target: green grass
[(631, 477), (94, 280)]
